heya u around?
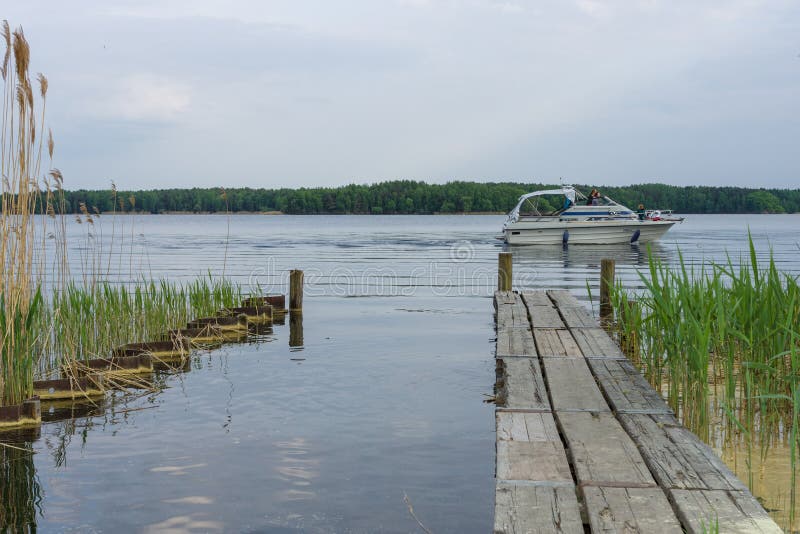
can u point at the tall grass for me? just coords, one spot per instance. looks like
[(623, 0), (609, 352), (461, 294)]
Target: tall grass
[(22, 232), (48, 317), (87, 321), (723, 340)]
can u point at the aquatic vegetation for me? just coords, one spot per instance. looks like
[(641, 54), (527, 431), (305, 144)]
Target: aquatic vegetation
[(721, 341), (51, 318), (23, 234), (89, 321)]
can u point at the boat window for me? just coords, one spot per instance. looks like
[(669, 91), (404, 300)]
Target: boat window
[(543, 206)]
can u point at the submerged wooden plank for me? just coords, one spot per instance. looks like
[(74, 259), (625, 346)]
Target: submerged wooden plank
[(596, 343), (629, 510), (572, 386), (563, 298), (529, 448), (626, 388), (676, 457), (530, 509), (602, 452), (578, 317), (555, 342), (536, 298), (520, 384), (515, 342), (545, 317), (735, 512)]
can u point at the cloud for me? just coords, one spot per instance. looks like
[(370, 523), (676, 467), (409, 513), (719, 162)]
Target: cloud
[(144, 97), (315, 92)]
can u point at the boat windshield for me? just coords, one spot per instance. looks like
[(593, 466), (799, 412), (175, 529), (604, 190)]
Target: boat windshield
[(602, 201), (542, 206)]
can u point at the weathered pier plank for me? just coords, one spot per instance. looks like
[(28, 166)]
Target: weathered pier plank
[(536, 509), (676, 457), (626, 388), (613, 509), (572, 386), (529, 448), (526, 426), (596, 343), (563, 298), (536, 298), (520, 384), (736, 512), (578, 317), (545, 317), (601, 451), (515, 342), (554, 342), (504, 297), (582, 436), (513, 315)]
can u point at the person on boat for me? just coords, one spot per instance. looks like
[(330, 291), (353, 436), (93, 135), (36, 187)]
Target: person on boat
[(641, 212), (595, 197)]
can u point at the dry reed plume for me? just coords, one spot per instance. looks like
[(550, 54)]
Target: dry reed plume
[(23, 234)]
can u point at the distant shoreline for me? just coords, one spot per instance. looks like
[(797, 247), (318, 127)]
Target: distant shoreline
[(404, 197), (435, 214), (273, 213)]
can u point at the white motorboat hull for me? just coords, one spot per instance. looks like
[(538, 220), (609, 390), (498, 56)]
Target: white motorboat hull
[(540, 231)]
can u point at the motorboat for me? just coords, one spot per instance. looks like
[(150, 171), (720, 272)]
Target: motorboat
[(565, 216)]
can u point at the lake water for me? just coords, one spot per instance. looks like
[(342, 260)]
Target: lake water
[(382, 407)]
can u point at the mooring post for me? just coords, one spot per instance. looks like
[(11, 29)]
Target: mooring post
[(606, 283), (504, 271), (295, 290)]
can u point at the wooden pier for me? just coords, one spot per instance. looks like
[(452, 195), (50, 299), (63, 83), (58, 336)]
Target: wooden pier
[(585, 443)]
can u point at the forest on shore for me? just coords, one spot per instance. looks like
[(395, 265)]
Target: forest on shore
[(412, 197)]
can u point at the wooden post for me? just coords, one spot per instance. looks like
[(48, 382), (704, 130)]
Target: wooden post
[(504, 271), (606, 283), (295, 290)]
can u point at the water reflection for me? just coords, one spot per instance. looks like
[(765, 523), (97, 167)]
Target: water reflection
[(297, 469), (181, 524), (66, 410), (296, 330), (577, 267), (575, 256), (20, 491)]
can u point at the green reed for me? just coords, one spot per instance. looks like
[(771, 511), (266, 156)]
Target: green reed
[(17, 343), (88, 321), (720, 338)]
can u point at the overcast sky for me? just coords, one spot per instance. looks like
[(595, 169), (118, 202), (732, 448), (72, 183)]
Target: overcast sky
[(303, 93)]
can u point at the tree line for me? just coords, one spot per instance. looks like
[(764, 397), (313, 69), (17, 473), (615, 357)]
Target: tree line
[(412, 197)]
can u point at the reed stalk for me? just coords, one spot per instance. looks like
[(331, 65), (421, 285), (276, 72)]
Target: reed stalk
[(22, 232), (720, 341), (89, 321)]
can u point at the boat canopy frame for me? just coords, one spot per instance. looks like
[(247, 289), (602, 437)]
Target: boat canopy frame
[(569, 192)]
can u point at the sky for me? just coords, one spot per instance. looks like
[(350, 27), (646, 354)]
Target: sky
[(291, 93)]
